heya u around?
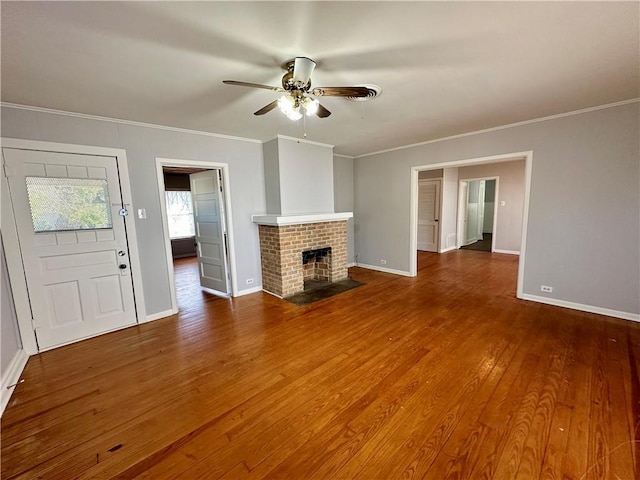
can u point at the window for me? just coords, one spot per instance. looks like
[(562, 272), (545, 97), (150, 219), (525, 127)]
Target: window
[(180, 214), (68, 204)]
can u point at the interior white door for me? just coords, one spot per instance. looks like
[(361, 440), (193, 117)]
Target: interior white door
[(73, 243), (472, 213), (428, 211), (463, 198), (210, 228), (481, 188)]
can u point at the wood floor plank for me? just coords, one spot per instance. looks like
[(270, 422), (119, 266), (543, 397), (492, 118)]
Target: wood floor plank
[(442, 405), (443, 375)]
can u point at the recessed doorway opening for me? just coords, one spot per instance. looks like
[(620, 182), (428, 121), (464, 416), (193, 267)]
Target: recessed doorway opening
[(197, 229), (509, 230)]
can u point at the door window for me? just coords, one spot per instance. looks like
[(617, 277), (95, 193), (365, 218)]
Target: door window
[(59, 204)]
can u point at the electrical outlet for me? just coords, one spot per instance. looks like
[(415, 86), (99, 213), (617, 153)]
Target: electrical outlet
[(249, 281), (383, 261), (545, 288)]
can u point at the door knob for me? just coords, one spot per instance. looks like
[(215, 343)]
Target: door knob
[(122, 266)]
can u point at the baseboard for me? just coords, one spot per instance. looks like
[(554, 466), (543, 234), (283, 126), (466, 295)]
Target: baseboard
[(159, 315), (508, 252), (248, 291), (11, 377), (352, 264), (273, 294), (448, 249), (582, 307), (385, 269)]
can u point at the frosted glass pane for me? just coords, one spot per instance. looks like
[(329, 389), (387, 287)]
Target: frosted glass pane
[(68, 203)]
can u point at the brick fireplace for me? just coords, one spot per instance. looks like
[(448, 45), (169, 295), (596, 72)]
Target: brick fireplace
[(282, 247), (300, 216)]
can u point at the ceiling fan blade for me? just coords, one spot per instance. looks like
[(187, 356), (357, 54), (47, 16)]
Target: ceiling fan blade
[(322, 111), (341, 92), (253, 85), (267, 108), (302, 69)]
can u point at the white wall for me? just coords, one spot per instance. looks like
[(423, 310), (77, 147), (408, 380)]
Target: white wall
[(10, 342), (343, 197), (272, 176), (427, 174), (306, 177), (583, 226), (13, 358), (143, 144), (510, 190)]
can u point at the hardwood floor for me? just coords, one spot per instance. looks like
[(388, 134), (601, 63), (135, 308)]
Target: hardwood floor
[(446, 375), (189, 296)]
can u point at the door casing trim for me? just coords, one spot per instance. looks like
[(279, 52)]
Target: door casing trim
[(15, 267)]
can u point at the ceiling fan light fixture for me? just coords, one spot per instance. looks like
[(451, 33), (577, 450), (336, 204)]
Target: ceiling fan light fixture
[(310, 106), (287, 105)]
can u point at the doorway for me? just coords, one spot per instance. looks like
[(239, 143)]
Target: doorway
[(477, 214), (196, 221), (514, 238), (428, 215)]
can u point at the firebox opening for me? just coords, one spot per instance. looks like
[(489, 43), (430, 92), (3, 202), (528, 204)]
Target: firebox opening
[(316, 268)]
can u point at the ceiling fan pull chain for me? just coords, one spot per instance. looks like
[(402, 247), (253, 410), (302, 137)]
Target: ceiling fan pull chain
[(304, 126)]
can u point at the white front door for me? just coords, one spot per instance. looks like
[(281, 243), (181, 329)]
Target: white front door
[(428, 211), (210, 228), (73, 243)]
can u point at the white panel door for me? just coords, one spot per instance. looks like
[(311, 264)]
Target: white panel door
[(428, 211), (210, 230), (463, 202), (481, 188), (472, 213), (73, 243)]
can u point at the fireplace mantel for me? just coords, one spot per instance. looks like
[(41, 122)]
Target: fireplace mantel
[(277, 220)]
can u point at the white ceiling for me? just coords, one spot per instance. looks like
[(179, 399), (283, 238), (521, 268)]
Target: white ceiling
[(445, 67)]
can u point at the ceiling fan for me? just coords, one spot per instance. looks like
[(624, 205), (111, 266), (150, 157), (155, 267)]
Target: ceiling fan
[(296, 86)]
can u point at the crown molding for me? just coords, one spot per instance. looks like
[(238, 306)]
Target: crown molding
[(126, 122), (300, 140), (503, 127), (252, 140)]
